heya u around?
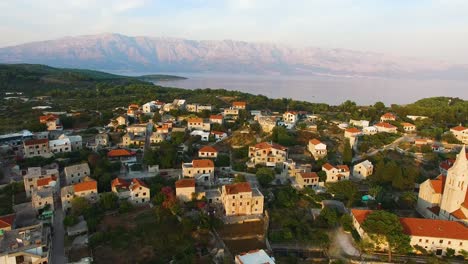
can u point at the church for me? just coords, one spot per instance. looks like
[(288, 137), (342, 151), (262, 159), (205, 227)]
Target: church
[(446, 196)]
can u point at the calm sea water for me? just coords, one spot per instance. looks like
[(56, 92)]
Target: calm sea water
[(326, 89)]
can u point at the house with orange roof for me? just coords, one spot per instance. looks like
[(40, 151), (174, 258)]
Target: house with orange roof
[(241, 199), (208, 152), (317, 148), (51, 121), (216, 119), (388, 117), (266, 153), (241, 105), (385, 127), (461, 133), (200, 169), (37, 178), (133, 110), (434, 235), (336, 173), (307, 179), (408, 127), (86, 189), (7, 222), (446, 197), (185, 189), (135, 191), (122, 155), (352, 132), (218, 135), (198, 124)]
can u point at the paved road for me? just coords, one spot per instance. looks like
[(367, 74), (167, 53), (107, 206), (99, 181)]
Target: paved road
[(58, 251)]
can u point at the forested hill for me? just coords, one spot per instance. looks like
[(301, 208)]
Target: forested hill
[(30, 77)]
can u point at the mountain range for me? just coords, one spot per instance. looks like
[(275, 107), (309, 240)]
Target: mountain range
[(120, 53)]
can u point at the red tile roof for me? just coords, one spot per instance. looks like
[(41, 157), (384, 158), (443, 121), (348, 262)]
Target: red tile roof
[(219, 133), (360, 214), (328, 166), (238, 188), (446, 164), (353, 130), (7, 220), (185, 183), (388, 116), (407, 124), (239, 104), (216, 116), (315, 141), (434, 228), (208, 149), (45, 181), (438, 183), (31, 142), (85, 186), (266, 145), (138, 183), (385, 125), (195, 120), (308, 175), (459, 214), (119, 153), (117, 182), (343, 167), (458, 128), (45, 118), (202, 163)]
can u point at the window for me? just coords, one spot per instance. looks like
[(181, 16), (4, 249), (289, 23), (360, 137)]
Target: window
[(144, 194), (240, 203), (441, 241)]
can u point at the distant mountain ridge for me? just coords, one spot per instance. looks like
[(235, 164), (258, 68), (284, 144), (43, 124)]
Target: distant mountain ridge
[(116, 52)]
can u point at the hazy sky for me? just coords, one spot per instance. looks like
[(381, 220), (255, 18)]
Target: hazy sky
[(433, 29)]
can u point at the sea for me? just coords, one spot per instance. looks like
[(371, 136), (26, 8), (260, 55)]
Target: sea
[(332, 90)]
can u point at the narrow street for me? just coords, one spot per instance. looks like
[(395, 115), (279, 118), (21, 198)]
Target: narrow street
[(58, 235)]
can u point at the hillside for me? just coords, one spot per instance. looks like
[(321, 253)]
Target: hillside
[(115, 52), (27, 77)]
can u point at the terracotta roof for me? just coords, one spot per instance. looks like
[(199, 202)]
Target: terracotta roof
[(465, 203), (353, 130), (85, 186), (405, 124), (185, 183), (459, 128), (308, 175), (291, 112), (208, 149), (459, 214), (138, 183), (218, 132), (343, 167), (446, 164), (434, 209), (388, 115), (45, 181), (119, 153), (434, 228), (133, 106), (7, 220), (239, 103), (195, 120), (216, 116), (315, 141), (117, 182), (30, 142), (266, 145), (360, 214), (385, 124), (202, 163), (328, 166), (238, 188), (438, 184), (46, 118)]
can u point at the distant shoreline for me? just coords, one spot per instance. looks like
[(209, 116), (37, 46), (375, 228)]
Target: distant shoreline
[(160, 77)]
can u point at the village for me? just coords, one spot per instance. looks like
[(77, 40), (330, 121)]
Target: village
[(243, 185)]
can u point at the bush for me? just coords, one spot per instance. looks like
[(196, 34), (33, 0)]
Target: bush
[(265, 176), (346, 222), (70, 220)]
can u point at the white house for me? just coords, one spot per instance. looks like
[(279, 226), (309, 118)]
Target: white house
[(317, 148), (363, 170), (76, 173), (336, 173), (461, 133)]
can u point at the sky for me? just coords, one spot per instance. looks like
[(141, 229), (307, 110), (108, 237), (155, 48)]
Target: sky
[(433, 29)]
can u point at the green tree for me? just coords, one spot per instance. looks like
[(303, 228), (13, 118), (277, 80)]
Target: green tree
[(346, 191), (265, 176), (379, 106), (347, 152), (329, 216), (223, 160), (385, 228), (79, 206), (109, 201), (346, 222), (240, 178)]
